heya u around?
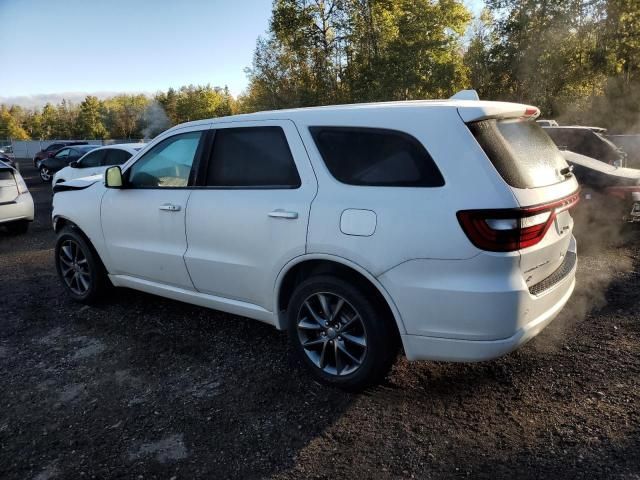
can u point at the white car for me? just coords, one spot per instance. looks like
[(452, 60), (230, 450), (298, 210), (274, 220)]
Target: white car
[(97, 161), (443, 226), (16, 204)]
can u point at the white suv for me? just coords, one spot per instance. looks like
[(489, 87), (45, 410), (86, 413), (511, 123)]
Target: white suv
[(442, 226)]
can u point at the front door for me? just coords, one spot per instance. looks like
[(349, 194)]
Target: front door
[(144, 222), (249, 215)]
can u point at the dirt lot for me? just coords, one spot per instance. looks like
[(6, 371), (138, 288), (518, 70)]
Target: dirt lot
[(142, 387)]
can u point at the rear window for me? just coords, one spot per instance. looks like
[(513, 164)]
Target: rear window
[(376, 157), (521, 151)]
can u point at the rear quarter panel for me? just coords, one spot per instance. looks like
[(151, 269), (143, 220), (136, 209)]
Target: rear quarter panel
[(410, 222)]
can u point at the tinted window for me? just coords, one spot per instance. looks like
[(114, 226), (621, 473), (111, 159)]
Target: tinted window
[(168, 164), (521, 152), (376, 157), (92, 159), (252, 157), (116, 157), (63, 153)]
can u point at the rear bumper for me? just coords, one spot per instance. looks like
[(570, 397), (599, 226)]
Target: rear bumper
[(418, 347), (20, 209), (472, 310)]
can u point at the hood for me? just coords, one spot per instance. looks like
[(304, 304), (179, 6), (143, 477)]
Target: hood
[(597, 165)]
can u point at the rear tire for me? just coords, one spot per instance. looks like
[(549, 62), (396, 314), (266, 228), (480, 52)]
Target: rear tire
[(79, 267), (343, 336)]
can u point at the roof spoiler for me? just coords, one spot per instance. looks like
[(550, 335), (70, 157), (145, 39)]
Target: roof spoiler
[(465, 95)]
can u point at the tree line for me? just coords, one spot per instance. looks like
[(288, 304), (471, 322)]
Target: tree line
[(124, 116), (578, 60)]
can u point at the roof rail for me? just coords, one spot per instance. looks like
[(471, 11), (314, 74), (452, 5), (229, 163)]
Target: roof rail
[(465, 95)]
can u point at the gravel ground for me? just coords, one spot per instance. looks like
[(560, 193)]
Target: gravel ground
[(143, 387)]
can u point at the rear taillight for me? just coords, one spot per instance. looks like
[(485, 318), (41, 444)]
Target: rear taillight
[(507, 230), (22, 187)]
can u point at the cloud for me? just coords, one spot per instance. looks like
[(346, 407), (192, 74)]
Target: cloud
[(34, 101)]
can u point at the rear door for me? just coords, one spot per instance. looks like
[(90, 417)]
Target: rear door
[(249, 215), (537, 173)]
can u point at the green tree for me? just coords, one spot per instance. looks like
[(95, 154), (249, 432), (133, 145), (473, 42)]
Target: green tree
[(10, 128), (124, 115), (89, 123), (329, 51)]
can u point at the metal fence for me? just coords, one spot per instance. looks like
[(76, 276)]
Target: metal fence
[(25, 149)]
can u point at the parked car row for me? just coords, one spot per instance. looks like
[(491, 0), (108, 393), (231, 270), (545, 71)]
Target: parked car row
[(51, 150), (82, 160)]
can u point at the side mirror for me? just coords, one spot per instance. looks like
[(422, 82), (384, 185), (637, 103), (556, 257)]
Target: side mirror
[(74, 164), (113, 177)]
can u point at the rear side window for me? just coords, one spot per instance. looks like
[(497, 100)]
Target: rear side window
[(521, 151), (252, 157), (376, 157), (116, 157)]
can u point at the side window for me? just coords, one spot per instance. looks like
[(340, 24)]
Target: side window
[(168, 164), (63, 153), (376, 157), (53, 147), (252, 157), (116, 157), (92, 159)]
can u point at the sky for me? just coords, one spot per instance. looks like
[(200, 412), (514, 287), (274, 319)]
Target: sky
[(110, 46)]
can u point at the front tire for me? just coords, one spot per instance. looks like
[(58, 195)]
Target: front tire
[(45, 174), (79, 267), (341, 334)]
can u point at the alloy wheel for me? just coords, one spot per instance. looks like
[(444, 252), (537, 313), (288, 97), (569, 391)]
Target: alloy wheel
[(74, 267), (45, 174), (332, 333)]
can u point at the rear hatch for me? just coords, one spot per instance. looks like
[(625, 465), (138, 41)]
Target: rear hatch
[(8, 186), (542, 184)]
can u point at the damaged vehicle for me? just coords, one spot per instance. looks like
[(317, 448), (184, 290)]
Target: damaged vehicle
[(439, 226), (614, 190), (589, 141)]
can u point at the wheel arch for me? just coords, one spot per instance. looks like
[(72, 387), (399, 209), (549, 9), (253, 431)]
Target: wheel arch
[(60, 222), (313, 264)]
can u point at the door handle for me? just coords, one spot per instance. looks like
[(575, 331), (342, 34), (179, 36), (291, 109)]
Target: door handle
[(167, 207), (283, 214)]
